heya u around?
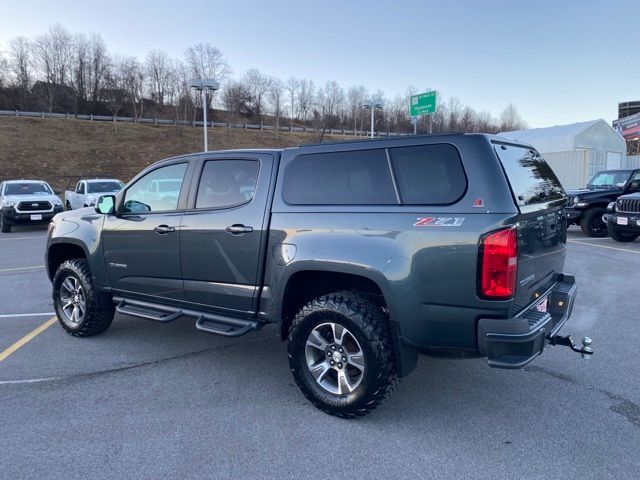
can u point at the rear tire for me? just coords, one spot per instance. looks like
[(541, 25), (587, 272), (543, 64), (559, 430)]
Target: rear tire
[(4, 227), (592, 224), (76, 301), (619, 236), (351, 388)]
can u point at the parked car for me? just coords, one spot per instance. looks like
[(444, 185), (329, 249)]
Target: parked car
[(27, 202), (623, 218), (364, 252), (88, 191), (588, 205)]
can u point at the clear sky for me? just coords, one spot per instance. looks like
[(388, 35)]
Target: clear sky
[(559, 61)]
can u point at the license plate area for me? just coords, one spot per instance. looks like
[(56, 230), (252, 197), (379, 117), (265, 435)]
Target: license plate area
[(622, 221), (543, 305), (36, 217)]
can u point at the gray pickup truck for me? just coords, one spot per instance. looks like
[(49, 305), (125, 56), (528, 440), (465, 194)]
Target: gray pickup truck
[(366, 253)]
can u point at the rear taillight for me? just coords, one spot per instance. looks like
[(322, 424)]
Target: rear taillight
[(499, 264)]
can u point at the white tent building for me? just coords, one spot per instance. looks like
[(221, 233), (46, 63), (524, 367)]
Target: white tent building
[(577, 151)]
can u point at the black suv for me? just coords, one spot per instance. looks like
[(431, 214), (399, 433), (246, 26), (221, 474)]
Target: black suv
[(587, 206), (364, 252)]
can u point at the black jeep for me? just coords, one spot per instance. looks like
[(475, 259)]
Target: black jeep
[(623, 219), (588, 205)]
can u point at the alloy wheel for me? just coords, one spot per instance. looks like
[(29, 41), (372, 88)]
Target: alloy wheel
[(334, 358), (73, 300)]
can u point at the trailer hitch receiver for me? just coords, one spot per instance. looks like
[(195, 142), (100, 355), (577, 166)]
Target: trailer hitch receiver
[(567, 341)]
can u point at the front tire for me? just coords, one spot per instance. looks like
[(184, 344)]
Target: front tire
[(618, 236), (4, 227), (341, 355), (67, 206), (592, 224), (76, 301)]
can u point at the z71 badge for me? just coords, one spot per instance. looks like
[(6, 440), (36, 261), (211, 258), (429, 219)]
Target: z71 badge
[(439, 222)]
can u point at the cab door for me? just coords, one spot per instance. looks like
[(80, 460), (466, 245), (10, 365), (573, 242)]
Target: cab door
[(78, 197), (142, 242), (224, 230)]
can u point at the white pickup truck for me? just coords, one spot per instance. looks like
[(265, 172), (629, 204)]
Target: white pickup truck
[(87, 192)]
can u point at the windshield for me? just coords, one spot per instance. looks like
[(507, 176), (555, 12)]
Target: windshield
[(100, 187), (611, 179), (27, 188)]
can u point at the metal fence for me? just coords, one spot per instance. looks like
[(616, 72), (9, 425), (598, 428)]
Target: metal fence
[(191, 123)]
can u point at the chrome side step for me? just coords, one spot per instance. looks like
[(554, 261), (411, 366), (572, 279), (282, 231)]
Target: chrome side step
[(205, 321)]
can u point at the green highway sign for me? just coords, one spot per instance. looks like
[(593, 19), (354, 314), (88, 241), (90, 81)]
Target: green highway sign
[(422, 104)]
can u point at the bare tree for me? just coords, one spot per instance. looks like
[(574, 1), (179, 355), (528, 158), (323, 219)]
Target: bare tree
[(20, 62), (99, 62), (276, 99), (305, 98), (454, 114), (258, 84), (291, 87), (511, 120), (333, 100), (236, 99), (158, 70), (207, 61), (4, 70), (52, 55), (355, 97), (117, 82)]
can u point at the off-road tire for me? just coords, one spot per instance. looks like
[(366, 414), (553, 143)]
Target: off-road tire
[(97, 317), (618, 236), (67, 206), (4, 227), (369, 323), (591, 216)]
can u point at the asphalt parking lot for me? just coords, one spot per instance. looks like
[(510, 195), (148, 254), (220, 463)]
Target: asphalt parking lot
[(148, 400)]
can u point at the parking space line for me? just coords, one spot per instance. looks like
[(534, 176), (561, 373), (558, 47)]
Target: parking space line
[(46, 314), (22, 238), (27, 338), (605, 246), (29, 380), (20, 268)]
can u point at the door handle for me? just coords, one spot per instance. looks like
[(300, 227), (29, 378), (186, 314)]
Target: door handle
[(162, 229), (237, 229)]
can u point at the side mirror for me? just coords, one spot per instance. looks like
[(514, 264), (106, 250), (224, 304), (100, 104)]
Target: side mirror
[(106, 204), (635, 185)]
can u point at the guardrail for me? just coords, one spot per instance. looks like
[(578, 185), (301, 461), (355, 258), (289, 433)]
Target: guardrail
[(194, 123)]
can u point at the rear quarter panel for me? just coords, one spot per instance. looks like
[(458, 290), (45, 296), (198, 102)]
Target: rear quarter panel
[(426, 273)]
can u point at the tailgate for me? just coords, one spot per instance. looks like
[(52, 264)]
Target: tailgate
[(542, 224)]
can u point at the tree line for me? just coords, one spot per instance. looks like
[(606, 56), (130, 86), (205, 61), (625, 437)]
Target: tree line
[(58, 71)]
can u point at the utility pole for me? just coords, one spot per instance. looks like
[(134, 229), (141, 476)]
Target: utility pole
[(373, 104), (203, 85)]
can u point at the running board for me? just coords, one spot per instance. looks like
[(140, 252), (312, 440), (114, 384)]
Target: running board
[(207, 322)]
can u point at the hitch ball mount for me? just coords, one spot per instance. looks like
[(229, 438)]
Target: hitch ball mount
[(567, 341)]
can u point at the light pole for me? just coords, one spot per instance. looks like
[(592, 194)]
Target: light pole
[(203, 85), (373, 104)]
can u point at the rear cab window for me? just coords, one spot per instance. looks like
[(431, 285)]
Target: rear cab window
[(532, 180), (429, 174)]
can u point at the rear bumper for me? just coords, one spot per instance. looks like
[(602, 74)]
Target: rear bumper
[(514, 342)]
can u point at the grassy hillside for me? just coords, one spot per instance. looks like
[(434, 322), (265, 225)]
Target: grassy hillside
[(50, 149)]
